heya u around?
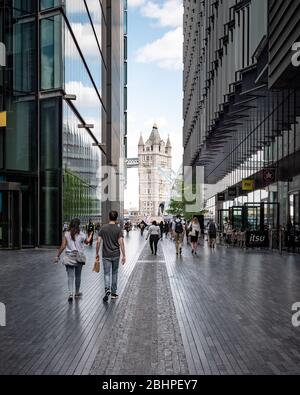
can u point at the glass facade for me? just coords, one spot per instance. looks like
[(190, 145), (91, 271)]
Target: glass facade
[(47, 146), (235, 125)]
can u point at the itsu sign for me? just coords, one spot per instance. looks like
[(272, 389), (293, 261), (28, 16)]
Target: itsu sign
[(257, 239)]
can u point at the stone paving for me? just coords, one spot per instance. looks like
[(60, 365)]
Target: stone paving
[(144, 335), (222, 312)]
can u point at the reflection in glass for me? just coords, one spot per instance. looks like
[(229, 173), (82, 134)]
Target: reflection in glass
[(20, 137), (80, 22), (78, 81), (81, 163), (24, 58), (50, 131), (23, 7), (51, 53), (46, 4), (50, 172)]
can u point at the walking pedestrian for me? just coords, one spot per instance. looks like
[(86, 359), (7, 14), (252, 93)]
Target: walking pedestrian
[(178, 233), (73, 242), (154, 233), (142, 227), (112, 238), (166, 228), (195, 230), (187, 231), (212, 234), (90, 228), (228, 230), (161, 226)]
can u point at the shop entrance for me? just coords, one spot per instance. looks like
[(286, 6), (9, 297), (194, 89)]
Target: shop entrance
[(10, 216), (236, 216), (262, 216), (294, 209), (223, 216)]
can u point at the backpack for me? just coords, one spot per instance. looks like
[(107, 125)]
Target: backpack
[(212, 228), (178, 227), (90, 228)]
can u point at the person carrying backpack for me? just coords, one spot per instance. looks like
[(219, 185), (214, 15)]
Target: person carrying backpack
[(178, 233), (212, 234)]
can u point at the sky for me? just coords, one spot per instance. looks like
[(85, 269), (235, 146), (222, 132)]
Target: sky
[(154, 79)]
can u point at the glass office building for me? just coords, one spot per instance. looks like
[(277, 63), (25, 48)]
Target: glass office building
[(242, 104), (56, 90)]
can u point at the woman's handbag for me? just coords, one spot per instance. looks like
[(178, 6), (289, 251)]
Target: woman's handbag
[(74, 258), (96, 267), (80, 257)]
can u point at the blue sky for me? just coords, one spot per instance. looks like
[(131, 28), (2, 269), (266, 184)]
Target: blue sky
[(154, 78)]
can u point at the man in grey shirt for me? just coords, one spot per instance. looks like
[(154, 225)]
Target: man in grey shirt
[(112, 238)]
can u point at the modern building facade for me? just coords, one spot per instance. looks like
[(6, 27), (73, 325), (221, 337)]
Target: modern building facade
[(63, 91), (242, 105), (155, 168)]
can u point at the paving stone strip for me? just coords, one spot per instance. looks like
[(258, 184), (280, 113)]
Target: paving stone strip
[(143, 334)]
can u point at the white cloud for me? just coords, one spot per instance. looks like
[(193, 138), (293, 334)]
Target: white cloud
[(135, 3), (166, 52), (168, 14), (87, 97), (89, 47)]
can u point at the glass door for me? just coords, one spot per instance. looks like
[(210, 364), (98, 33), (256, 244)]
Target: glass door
[(223, 217), (237, 217), (10, 220), (253, 217)]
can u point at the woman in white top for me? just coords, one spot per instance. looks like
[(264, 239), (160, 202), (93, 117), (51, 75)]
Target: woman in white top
[(154, 234), (73, 242), (195, 233)]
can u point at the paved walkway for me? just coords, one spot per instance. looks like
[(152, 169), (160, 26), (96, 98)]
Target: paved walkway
[(222, 312)]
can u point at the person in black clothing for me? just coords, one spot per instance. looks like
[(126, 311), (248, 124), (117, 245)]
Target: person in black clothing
[(90, 228), (161, 227), (155, 235), (167, 228)]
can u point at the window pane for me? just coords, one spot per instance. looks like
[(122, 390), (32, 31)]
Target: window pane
[(50, 208), (23, 7), (20, 137), (50, 131), (51, 53), (45, 4), (24, 58)]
